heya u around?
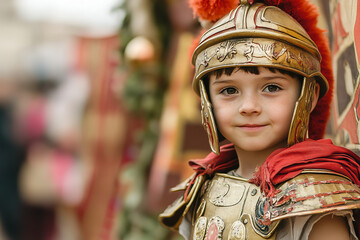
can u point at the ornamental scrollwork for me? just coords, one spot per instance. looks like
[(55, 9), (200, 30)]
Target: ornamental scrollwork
[(226, 49)]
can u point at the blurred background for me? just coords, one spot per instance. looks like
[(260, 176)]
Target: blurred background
[(98, 117)]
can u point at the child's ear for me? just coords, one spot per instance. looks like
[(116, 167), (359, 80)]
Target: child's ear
[(315, 97)]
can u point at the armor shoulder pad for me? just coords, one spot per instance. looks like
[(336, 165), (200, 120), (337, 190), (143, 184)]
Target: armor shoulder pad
[(174, 213), (313, 192)]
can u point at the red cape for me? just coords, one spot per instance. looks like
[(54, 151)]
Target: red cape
[(286, 163)]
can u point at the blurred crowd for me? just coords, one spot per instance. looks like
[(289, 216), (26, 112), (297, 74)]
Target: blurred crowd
[(42, 175), (43, 98)]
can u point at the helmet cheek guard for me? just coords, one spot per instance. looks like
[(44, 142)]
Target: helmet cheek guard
[(300, 121), (263, 36), (208, 120)]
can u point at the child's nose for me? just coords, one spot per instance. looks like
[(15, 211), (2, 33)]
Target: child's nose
[(249, 105)]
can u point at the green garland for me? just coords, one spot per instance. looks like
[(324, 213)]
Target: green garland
[(143, 95)]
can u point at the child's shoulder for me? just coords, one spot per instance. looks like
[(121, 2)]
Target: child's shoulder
[(311, 192), (172, 216)]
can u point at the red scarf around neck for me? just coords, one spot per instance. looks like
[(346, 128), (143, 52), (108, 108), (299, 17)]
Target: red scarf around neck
[(285, 163)]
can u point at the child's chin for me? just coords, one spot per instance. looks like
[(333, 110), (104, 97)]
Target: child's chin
[(253, 148), (258, 147)]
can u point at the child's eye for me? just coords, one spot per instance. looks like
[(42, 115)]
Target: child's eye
[(229, 91), (272, 88)]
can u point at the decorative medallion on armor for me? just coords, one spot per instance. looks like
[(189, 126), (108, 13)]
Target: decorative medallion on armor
[(237, 231), (200, 228), (215, 228)]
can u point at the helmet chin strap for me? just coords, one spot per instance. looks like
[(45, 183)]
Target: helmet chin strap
[(298, 131), (207, 120)]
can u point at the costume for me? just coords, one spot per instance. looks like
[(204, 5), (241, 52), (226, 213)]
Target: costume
[(309, 178), (317, 184)]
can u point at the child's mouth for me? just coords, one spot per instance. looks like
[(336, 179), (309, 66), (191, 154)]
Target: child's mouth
[(252, 127)]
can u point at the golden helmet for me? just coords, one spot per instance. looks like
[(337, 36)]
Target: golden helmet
[(266, 36)]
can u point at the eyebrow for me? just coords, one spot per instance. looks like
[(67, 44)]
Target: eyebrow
[(223, 81), (267, 78), (277, 76)]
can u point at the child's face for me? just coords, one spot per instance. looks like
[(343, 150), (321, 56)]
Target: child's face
[(254, 111)]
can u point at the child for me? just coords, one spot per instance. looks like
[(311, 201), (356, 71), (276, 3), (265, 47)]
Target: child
[(258, 74)]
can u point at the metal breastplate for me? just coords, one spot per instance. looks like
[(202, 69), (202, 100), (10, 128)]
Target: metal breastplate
[(229, 207)]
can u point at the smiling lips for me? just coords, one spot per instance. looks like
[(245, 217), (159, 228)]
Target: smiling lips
[(251, 127)]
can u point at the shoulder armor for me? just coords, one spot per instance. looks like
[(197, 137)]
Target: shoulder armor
[(174, 213), (313, 192)]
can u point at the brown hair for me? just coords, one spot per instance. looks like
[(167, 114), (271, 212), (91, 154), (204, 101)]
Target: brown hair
[(252, 70)]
